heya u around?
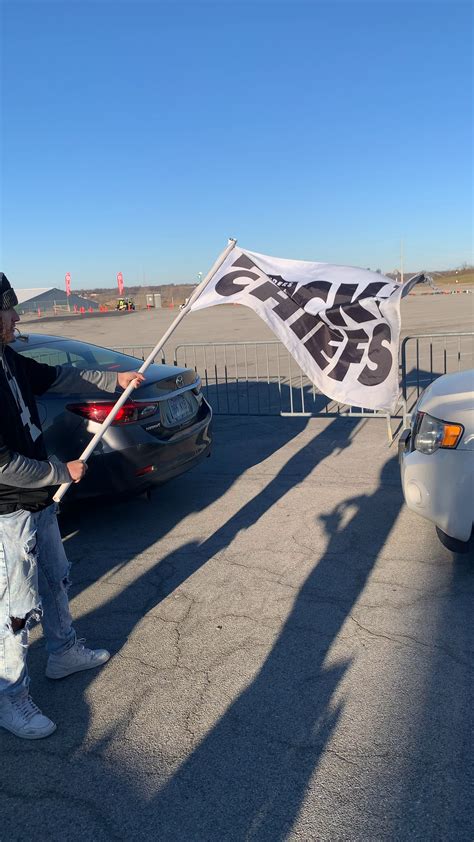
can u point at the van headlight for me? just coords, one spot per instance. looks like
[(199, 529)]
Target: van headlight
[(431, 433)]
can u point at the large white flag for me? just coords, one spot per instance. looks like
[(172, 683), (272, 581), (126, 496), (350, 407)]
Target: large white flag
[(340, 323)]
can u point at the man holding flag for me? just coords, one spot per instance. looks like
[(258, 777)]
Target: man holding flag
[(33, 565)]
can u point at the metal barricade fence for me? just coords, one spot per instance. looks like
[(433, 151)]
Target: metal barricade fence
[(262, 378), (429, 355), (255, 378), (141, 352)]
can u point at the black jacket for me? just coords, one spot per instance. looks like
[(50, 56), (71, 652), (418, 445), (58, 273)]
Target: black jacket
[(28, 477)]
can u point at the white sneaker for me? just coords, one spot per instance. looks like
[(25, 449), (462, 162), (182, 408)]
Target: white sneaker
[(77, 658), (22, 717)]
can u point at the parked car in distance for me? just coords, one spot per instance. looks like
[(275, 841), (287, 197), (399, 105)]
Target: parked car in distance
[(437, 458), (163, 431)]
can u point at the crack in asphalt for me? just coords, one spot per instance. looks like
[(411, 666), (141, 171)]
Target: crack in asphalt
[(406, 639), (193, 711)]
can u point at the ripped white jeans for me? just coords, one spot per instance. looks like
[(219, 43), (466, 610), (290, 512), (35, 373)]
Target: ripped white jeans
[(34, 578)]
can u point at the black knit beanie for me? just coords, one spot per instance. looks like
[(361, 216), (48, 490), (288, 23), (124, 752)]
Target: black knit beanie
[(8, 298)]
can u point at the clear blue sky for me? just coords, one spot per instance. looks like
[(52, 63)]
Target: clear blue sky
[(138, 136)]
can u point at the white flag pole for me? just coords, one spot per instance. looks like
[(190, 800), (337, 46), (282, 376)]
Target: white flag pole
[(123, 397)]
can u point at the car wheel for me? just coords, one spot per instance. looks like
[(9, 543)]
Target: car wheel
[(454, 544)]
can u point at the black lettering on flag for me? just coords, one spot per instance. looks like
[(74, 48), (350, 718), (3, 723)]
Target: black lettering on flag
[(315, 289), (346, 304), (285, 306), (302, 326), (318, 344), (286, 286), (244, 262), (294, 300), (379, 354), (352, 352), (325, 341), (225, 286)]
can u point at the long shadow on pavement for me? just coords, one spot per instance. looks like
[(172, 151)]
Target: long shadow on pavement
[(248, 777)]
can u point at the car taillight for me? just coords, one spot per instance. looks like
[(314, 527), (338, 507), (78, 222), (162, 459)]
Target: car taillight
[(148, 469), (128, 413)]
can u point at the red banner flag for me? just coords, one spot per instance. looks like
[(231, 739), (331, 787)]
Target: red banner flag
[(120, 283), (68, 283)]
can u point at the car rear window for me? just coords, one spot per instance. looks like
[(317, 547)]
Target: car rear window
[(79, 355)]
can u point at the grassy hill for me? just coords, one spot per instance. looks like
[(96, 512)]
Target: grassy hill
[(451, 278)]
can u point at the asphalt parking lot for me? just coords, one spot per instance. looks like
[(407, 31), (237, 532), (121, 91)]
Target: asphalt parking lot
[(292, 649)]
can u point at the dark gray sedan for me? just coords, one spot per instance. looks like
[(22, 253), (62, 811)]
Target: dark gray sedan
[(162, 432)]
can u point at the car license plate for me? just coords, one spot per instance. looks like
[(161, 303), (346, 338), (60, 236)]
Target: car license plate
[(178, 408)]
